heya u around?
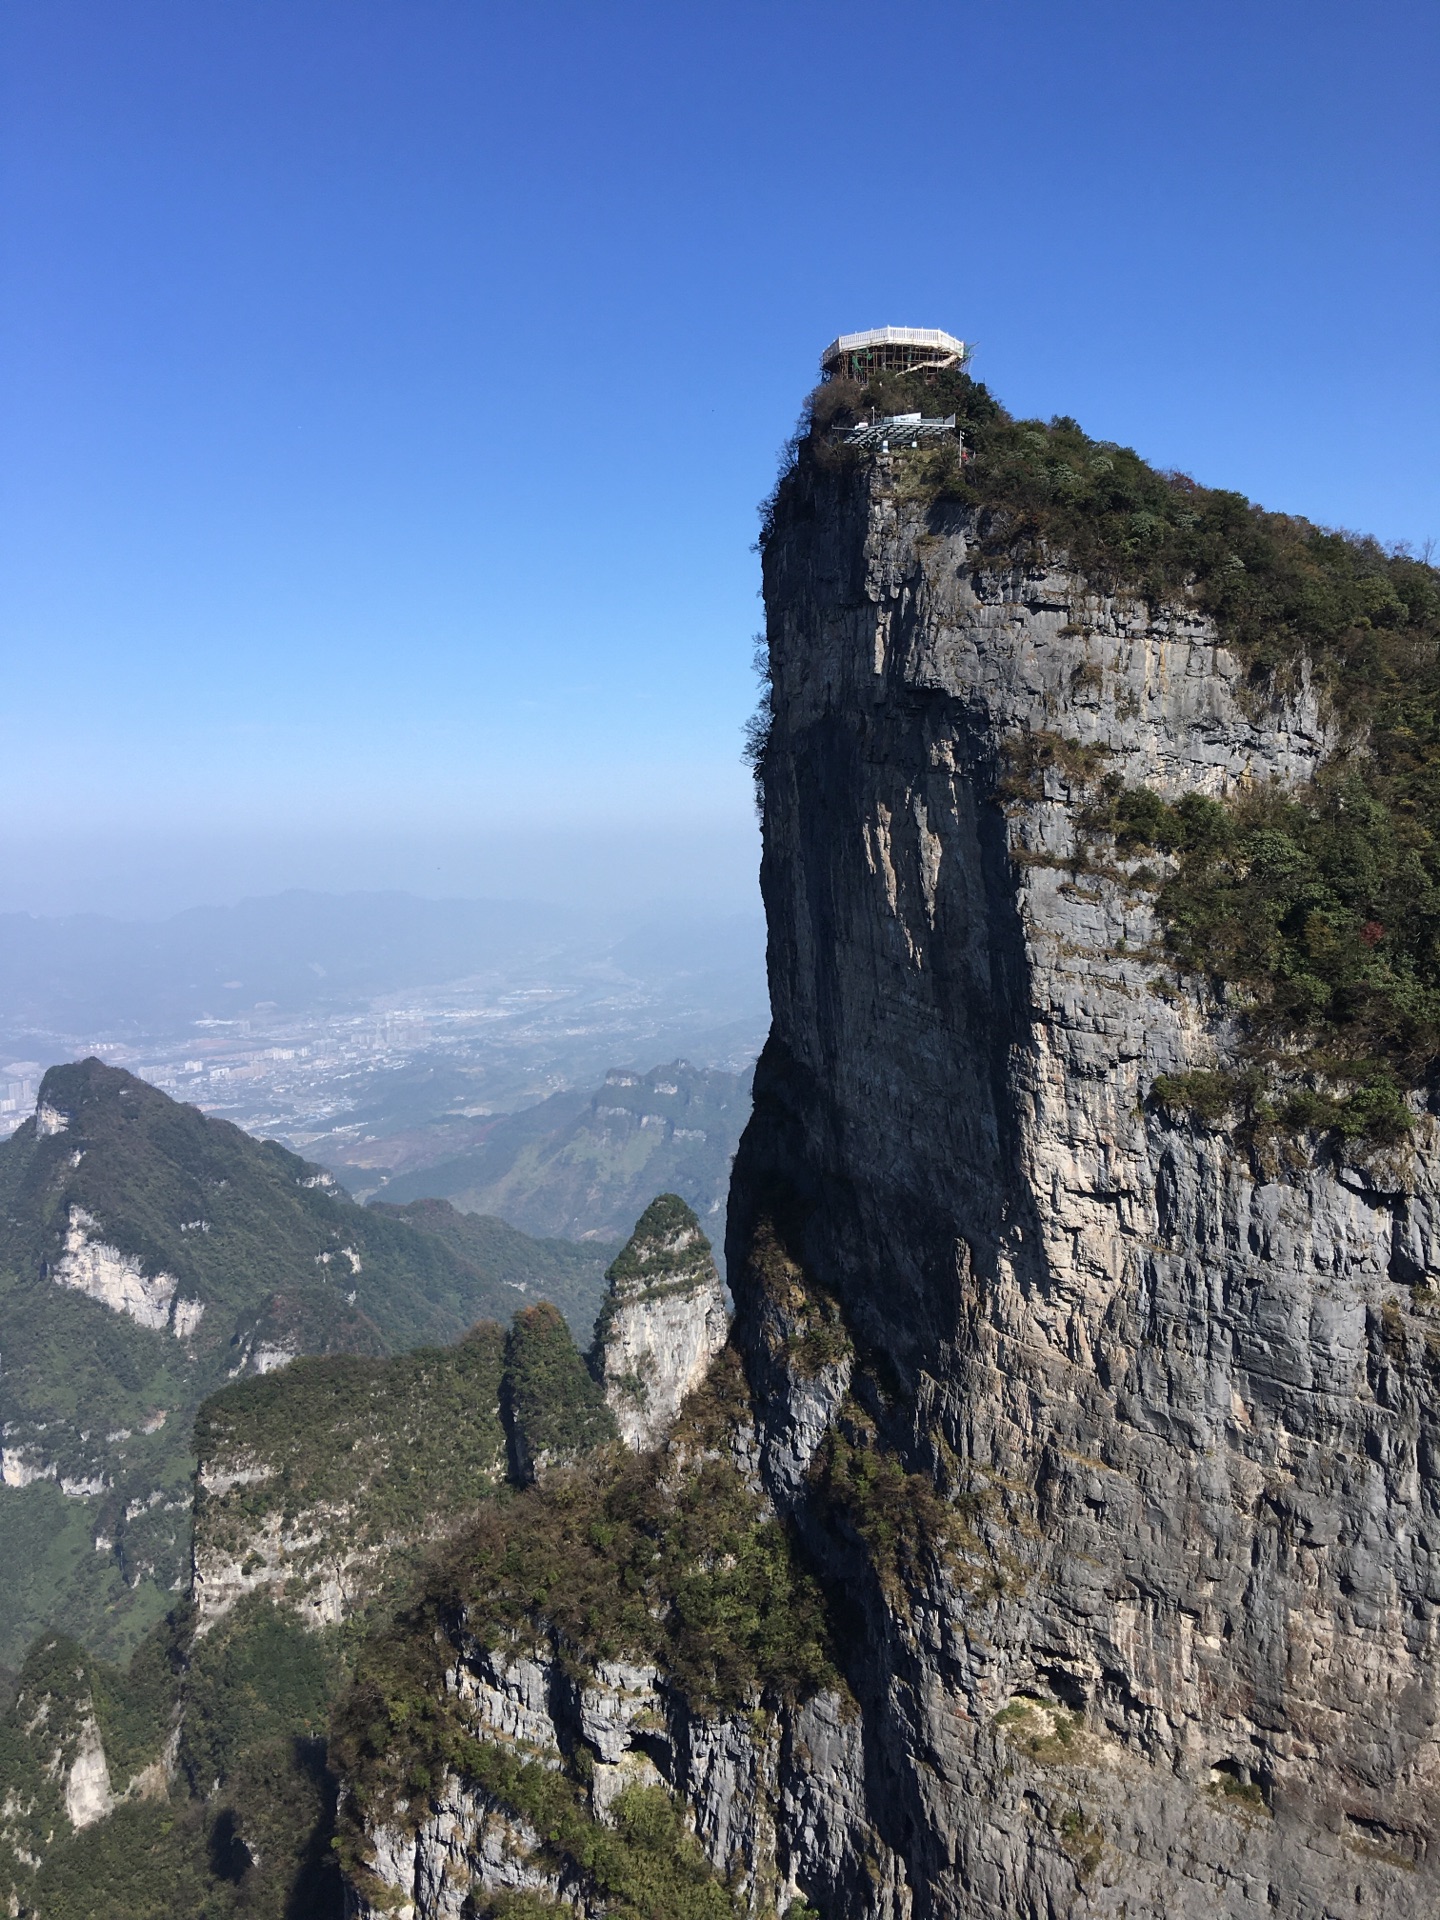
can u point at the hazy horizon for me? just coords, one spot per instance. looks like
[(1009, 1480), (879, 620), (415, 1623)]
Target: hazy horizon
[(152, 877), (388, 389)]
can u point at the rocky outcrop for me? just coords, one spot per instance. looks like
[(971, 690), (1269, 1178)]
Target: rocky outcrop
[(769, 1767), (318, 1485), (1118, 1438), (662, 1323), (88, 1797), (119, 1281), (1110, 1437), (308, 1561), (636, 1730)]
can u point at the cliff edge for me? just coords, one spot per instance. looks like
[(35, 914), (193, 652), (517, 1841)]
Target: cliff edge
[(662, 1322), (1112, 1420), (1054, 1534)]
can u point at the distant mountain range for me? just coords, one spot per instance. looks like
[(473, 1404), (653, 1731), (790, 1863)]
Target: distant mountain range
[(147, 1255), (585, 1165), (289, 952)]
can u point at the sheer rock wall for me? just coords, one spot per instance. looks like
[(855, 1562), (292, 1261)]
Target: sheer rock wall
[(1177, 1656)]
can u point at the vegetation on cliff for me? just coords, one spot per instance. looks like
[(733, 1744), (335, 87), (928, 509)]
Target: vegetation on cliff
[(671, 1559), (664, 1248), (668, 1252), (553, 1407), (1319, 915), (97, 1409), (369, 1457), (644, 1863), (1317, 912), (217, 1728), (1277, 586)]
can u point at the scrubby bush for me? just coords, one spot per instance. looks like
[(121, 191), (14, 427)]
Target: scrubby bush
[(554, 1408), (1319, 913)]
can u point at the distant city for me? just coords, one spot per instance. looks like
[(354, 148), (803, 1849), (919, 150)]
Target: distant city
[(335, 1080), (18, 1087)]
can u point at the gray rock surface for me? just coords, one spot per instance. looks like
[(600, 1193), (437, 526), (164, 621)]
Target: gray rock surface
[(1175, 1654), (663, 1320), (767, 1794), (1113, 1443)]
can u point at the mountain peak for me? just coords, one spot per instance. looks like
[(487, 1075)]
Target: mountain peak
[(663, 1320)]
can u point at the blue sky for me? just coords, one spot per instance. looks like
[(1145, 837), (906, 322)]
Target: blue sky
[(387, 386)]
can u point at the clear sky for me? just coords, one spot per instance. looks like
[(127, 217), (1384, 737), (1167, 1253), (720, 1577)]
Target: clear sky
[(387, 386)]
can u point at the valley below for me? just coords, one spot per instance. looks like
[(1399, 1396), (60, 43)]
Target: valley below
[(378, 1034), (1007, 1489)]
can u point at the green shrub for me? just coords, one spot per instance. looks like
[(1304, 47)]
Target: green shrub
[(648, 1259), (244, 1830), (555, 1408), (907, 1529), (647, 1866), (394, 1450), (684, 1566), (257, 1701), (135, 1704), (1319, 914), (817, 1337), (258, 1676), (1208, 1095)]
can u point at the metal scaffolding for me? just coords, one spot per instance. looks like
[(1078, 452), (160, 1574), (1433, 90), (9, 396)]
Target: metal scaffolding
[(856, 356)]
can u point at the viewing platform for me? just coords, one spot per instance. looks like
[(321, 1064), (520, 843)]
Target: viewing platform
[(899, 430), (856, 356)]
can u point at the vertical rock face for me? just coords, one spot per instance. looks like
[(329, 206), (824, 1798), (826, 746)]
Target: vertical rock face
[(87, 1785), (1119, 1445), (662, 1323)]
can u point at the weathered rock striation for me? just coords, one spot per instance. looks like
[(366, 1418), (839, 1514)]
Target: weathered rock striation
[(1092, 1443), (1118, 1440), (662, 1321)]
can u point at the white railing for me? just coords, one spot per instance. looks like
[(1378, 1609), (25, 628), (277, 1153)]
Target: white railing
[(931, 339)]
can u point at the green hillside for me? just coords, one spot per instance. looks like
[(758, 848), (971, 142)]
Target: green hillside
[(368, 1459), (589, 1175), (569, 1273), (148, 1255), (347, 1465)]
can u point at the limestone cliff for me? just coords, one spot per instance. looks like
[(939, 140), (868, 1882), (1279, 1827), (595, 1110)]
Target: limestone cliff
[(1084, 1442), (320, 1484), (662, 1322), (1118, 1437)]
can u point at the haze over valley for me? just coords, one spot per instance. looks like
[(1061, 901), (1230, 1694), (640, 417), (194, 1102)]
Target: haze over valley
[(385, 1034), (719, 962)]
